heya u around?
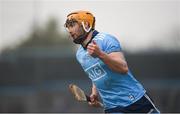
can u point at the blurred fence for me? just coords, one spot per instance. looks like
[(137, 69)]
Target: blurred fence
[(36, 80)]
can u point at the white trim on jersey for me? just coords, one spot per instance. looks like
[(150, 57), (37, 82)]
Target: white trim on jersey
[(151, 103)]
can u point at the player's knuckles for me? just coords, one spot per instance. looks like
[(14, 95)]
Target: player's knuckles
[(91, 104), (90, 45), (92, 99), (90, 48)]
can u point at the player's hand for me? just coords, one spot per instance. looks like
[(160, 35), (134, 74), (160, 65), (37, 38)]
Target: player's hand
[(94, 100), (93, 49)]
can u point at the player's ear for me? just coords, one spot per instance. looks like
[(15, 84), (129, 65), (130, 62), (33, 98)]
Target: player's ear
[(86, 24)]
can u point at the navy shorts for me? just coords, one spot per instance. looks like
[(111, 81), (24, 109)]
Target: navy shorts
[(143, 105)]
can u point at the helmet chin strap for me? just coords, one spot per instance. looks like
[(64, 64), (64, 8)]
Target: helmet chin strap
[(87, 30), (83, 36)]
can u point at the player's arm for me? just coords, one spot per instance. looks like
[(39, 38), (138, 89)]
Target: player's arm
[(94, 90), (114, 60)]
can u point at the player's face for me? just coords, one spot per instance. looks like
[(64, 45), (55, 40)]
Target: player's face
[(75, 30)]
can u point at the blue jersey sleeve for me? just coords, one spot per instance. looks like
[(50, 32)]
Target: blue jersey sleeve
[(111, 44)]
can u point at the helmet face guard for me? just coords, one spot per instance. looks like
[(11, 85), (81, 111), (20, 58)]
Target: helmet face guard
[(81, 17)]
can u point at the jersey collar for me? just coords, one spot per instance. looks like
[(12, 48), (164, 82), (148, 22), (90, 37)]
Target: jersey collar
[(95, 32)]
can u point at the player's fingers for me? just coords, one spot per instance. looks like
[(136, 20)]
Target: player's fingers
[(92, 98), (90, 103), (94, 104), (91, 45), (90, 48)]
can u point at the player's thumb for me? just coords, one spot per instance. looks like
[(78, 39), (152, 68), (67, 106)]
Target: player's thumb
[(94, 42)]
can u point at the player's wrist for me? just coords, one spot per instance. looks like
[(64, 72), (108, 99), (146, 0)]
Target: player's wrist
[(102, 55), (94, 94)]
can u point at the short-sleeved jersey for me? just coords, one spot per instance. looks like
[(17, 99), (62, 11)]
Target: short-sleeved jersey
[(115, 89)]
